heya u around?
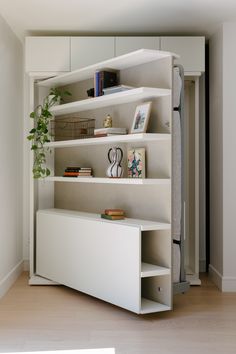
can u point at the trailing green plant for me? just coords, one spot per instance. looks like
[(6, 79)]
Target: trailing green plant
[(40, 134)]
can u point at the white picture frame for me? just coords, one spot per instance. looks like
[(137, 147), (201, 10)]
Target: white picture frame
[(141, 118)]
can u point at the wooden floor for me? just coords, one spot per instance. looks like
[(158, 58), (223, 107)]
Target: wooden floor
[(57, 318)]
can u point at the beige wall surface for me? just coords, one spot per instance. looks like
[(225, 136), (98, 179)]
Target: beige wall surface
[(222, 156), (216, 147), (11, 154)]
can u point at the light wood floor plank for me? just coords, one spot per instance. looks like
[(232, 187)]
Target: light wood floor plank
[(58, 318)]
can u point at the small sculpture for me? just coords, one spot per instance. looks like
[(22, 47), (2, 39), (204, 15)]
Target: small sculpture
[(107, 123), (115, 156)]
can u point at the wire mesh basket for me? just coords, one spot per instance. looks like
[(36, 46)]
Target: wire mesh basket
[(73, 127)]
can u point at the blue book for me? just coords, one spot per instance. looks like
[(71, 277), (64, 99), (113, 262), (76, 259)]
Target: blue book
[(97, 80)]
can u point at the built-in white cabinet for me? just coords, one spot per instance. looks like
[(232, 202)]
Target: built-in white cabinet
[(125, 45), (47, 54), (71, 53), (90, 50), (190, 49), (112, 261)]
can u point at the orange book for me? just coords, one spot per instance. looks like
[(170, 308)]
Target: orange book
[(114, 212)]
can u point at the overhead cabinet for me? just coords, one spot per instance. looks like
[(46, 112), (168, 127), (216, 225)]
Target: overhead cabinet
[(71, 53), (90, 50), (124, 45), (47, 54), (190, 49)]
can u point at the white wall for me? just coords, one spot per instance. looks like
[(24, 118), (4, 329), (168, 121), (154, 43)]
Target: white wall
[(229, 152), (222, 156), (11, 156), (216, 152), (202, 176)]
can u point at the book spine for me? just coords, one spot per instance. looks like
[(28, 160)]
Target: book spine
[(112, 217), (114, 212), (96, 83), (101, 83), (73, 174)]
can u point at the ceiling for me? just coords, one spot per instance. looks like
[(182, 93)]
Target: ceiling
[(101, 17)]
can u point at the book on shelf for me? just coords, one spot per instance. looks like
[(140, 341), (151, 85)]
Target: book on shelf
[(114, 130), (76, 171), (115, 89), (72, 168), (104, 79), (114, 212), (104, 135), (112, 217), (77, 176), (84, 174)]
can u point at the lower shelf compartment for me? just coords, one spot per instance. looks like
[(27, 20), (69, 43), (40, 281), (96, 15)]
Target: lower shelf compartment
[(149, 306), (151, 270)]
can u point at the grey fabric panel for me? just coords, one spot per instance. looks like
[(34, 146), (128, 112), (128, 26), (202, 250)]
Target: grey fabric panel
[(177, 84), (176, 135), (176, 263)]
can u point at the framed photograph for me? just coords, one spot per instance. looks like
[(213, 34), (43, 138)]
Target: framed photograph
[(136, 163), (141, 117)]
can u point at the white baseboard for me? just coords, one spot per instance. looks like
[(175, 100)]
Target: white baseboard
[(10, 278), (216, 277), (225, 284), (26, 265)]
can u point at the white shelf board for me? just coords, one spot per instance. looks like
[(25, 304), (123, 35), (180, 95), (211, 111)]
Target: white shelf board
[(110, 100), (125, 61), (148, 306), (151, 270), (128, 138), (144, 225), (101, 180)]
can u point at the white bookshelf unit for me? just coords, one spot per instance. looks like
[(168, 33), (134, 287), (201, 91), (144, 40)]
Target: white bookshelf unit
[(127, 262)]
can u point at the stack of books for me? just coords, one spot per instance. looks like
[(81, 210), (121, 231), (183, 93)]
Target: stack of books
[(104, 79), (113, 214), (76, 171), (115, 89), (109, 132)]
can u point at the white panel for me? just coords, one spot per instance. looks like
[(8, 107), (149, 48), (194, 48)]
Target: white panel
[(99, 258), (90, 50), (128, 44), (190, 49), (110, 100), (47, 54), (129, 138), (11, 155)]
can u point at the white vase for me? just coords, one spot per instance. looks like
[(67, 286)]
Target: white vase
[(115, 156)]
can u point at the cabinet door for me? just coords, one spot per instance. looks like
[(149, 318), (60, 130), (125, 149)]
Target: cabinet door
[(129, 44), (98, 258), (47, 54), (90, 50), (190, 49)]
